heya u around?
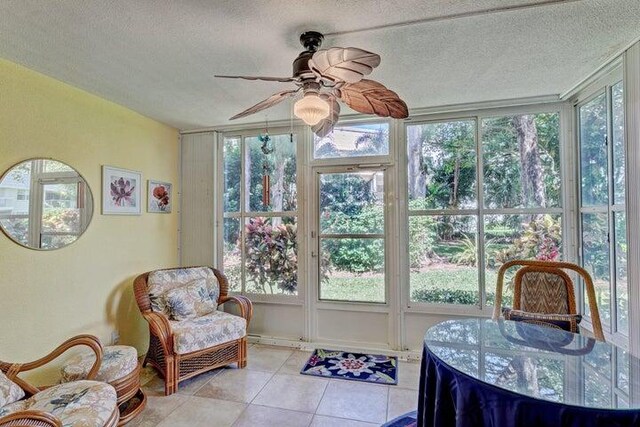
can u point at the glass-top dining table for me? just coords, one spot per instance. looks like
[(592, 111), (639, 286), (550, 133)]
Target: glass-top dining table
[(484, 373)]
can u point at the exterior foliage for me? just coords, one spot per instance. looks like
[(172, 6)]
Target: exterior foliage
[(272, 255), (355, 255), (541, 239), (520, 169)]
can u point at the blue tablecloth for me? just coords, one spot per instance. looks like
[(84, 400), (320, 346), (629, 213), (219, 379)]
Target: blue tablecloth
[(449, 398)]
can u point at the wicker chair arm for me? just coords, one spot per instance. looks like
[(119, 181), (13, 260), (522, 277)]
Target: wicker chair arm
[(244, 303), (30, 418), (161, 328), (13, 369)]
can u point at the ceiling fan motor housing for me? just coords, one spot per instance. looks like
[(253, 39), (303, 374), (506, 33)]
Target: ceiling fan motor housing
[(301, 65), (311, 40)]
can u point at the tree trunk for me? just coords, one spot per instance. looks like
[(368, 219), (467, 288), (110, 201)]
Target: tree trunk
[(525, 372), (533, 194), (417, 175), (453, 198)]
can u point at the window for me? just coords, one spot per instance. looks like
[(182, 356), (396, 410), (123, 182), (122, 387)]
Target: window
[(481, 191), (602, 203), (260, 214), (355, 140), (351, 168), (352, 236), (61, 221)]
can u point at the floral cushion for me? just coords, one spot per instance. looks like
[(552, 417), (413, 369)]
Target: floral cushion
[(76, 404), (190, 301), (20, 405), (207, 331), (117, 362), (161, 281), (9, 391)]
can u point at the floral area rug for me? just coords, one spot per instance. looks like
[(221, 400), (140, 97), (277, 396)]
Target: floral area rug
[(373, 368), (407, 420)]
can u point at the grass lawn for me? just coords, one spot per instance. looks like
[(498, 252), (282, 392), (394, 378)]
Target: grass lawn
[(370, 288)]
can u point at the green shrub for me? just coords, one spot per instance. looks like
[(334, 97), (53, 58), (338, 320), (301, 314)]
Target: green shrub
[(468, 254), (272, 255), (421, 240), (541, 239), (449, 296), (355, 255)]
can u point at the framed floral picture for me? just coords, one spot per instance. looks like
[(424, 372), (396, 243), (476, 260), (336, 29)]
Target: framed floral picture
[(121, 191), (159, 199)]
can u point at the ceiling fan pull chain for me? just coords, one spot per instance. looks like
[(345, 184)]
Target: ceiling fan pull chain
[(291, 122)]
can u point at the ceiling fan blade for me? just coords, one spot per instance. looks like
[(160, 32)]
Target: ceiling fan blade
[(371, 97), (348, 64), (324, 127), (274, 99), (266, 79)]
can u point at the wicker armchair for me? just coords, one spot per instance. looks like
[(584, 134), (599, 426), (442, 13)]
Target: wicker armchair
[(544, 287), (69, 404), (181, 349)]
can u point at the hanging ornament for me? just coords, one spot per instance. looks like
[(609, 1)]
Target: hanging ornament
[(266, 185), (266, 179)]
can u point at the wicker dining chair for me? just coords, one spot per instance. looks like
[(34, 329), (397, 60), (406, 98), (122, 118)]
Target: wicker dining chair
[(86, 402), (183, 349), (543, 289)]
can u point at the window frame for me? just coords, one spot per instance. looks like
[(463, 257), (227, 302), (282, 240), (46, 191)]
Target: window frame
[(243, 213), (337, 169), (603, 85), (351, 160), (481, 309)]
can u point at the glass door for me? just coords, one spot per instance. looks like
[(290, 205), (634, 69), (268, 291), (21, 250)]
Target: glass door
[(351, 235)]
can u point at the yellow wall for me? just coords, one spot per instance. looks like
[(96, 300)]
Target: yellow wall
[(46, 297)]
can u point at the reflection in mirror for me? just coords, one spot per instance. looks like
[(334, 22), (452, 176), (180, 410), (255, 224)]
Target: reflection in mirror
[(44, 204)]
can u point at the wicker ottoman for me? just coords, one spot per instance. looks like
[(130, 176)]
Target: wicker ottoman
[(120, 368)]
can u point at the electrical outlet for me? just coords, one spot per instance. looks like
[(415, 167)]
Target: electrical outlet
[(115, 337)]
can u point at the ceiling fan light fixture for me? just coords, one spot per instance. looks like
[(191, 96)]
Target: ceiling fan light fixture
[(311, 109)]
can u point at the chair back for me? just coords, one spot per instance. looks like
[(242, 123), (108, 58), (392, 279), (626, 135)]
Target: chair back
[(148, 287), (547, 290), (545, 287)]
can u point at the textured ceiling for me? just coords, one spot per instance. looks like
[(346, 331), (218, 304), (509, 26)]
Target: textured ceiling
[(158, 57)]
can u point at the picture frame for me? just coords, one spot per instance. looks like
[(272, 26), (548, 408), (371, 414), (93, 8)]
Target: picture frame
[(159, 196), (121, 191)]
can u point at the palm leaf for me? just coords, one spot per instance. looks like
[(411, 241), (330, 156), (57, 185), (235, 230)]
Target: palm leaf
[(324, 127), (274, 99), (348, 64), (266, 79), (371, 97)]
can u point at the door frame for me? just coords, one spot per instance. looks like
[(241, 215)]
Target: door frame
[(314, 305)]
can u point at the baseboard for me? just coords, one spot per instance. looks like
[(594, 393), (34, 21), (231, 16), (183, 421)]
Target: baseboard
[(407, 355)]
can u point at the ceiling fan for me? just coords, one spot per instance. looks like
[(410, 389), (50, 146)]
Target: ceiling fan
[(327, 76)]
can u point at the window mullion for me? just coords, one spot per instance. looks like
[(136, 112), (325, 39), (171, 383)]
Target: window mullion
[(480, 245), (611, 233), (243, 204)]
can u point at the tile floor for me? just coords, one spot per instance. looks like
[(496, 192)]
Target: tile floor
[(271, 392)]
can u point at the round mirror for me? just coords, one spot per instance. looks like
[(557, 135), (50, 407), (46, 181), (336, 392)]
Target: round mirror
[(44, 204)]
